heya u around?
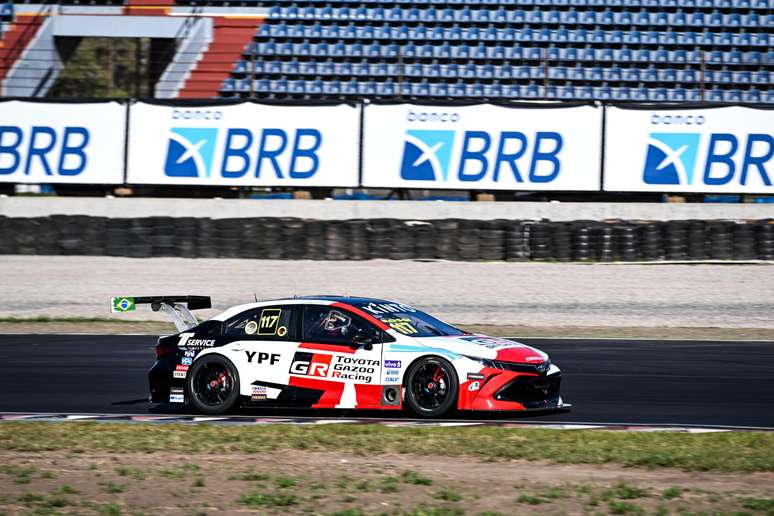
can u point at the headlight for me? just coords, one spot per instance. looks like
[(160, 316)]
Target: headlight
[(540, 369)]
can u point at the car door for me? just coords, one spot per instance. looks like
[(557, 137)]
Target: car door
[(341, 354), (264, 341)]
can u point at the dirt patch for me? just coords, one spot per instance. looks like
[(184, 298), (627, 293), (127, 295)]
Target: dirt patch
[(628, 332), (323, 483)]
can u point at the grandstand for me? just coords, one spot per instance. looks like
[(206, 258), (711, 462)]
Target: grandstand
[(641, 50), (471, 50)]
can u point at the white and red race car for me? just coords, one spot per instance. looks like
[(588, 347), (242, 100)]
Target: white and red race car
[(340, 352)]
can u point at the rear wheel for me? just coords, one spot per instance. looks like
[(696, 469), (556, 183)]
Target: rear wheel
[(431, 387), (213, 384)]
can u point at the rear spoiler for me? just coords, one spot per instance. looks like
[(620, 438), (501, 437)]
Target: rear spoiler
[(177, 307)]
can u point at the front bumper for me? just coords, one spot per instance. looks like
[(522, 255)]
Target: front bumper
[(509, 390)]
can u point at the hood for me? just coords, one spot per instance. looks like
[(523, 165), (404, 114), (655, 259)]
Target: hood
[(491, 348)]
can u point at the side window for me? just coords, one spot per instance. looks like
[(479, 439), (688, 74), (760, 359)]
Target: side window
[(263, 323), (330, 324)]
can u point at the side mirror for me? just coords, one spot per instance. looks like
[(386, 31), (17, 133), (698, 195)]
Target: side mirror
[(366, 337)]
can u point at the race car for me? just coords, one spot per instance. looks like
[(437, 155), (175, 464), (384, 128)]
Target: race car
[(339, 352)]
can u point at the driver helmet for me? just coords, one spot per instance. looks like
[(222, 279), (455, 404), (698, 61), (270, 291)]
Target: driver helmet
[(336, 323)]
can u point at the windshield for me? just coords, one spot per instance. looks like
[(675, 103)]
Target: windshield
[(408, 321)]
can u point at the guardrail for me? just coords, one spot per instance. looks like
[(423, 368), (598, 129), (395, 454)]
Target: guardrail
[(362, 239)]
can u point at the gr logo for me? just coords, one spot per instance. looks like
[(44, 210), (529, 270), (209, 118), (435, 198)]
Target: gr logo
[(190, 152), (673, 158)]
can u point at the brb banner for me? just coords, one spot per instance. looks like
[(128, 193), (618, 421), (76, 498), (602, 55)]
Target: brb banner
[(482, 147), (713, 150), (243, 145), (43, 142)]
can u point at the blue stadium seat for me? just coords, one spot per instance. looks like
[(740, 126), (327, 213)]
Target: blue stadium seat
[(734, 95), (531, 91), (752, 95), (351, 88), (632, 75), (332, 88), (585, 93), (512, 91), (567, 92), (458, 90), (762, 77), (385, 89), (714, 96)]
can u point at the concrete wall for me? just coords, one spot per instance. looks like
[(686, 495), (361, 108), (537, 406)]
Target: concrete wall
[(338, 210)]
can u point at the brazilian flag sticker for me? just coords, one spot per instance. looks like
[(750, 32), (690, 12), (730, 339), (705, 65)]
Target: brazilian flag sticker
[(122, 304)]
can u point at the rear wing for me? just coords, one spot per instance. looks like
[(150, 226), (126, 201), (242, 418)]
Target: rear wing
[(177, 307)]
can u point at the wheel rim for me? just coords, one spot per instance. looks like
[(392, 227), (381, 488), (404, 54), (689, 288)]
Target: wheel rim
[(213, 384), (430, 386)]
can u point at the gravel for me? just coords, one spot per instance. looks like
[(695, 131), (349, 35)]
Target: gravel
[(533, 294)]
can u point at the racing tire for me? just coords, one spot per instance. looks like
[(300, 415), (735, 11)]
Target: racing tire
[(431, 387), (213, 385)]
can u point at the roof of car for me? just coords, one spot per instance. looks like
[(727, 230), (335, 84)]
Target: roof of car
[(356, 300)]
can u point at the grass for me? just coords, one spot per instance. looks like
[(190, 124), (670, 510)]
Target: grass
[(412, 477), (764, 505), (268, 500), (617, 507), (720, 452), (448, 495), (530, 499), (671, 493), (284, 482), (624, 491)]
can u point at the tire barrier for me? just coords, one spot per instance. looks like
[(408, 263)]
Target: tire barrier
[(289, 238)]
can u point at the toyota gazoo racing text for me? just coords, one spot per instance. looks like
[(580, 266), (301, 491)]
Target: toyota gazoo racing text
[(340, 352)]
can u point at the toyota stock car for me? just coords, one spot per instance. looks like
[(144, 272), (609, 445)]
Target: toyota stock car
[(340, 352)]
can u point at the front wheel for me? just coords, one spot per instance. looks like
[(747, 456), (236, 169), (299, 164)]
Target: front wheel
[(431, 387), (213, 384)]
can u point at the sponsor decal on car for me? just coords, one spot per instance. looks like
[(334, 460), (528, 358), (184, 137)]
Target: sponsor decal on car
[(181, 367), (190, 353), (187, 342), (335, 367), (176, 395), (534, 358), (179, 374), (186, 361), (258, 393), (392, 363), (261, 357), (386, 308), (475, 376), (489, 342), (392, 372), (474, 386), (392, 379)]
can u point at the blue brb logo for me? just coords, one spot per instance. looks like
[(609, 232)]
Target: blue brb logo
[(671, 159), (191, 152), (427, 155), (60, 153)]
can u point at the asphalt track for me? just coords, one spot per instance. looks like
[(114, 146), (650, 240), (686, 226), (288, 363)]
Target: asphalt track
[(607, 381)]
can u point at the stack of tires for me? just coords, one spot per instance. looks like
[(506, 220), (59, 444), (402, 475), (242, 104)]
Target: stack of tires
[(720, 240), (697, 236), (424, 236), (445, 243), (764, 231), (467, 240), (491, 240), (627, 244), (517, 242), (379, 237), (540, 241)]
